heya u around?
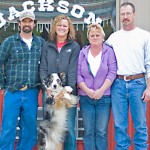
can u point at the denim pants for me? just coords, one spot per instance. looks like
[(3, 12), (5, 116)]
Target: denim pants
[(21, 104), (95, 114), (70, 139), (125, 95)]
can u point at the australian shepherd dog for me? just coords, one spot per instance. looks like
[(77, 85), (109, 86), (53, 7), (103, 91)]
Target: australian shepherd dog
[(54, 126)]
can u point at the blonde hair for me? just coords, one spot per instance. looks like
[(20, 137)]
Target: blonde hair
[(97, 27), (71, 33)]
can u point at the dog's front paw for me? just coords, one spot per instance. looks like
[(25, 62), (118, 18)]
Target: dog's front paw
[(67, 96), (68, 89)]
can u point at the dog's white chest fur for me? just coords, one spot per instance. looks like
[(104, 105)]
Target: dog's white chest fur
[(56, 133)]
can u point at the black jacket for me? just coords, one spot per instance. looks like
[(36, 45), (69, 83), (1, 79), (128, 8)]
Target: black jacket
[(66, 61)]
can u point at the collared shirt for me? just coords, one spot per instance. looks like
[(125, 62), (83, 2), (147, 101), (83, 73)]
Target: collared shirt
[(19, 64), (132, 49)]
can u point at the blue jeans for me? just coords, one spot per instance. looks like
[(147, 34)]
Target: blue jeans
[(127, 94), (70, 139), (95, 114), (21, 104)]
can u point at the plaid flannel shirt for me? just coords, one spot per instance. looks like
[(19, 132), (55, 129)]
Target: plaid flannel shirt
[(18, 64)]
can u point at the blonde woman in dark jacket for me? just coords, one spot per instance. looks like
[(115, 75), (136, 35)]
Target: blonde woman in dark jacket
[(60, 54)]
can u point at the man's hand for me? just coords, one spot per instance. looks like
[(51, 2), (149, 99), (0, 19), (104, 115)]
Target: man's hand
[(146, 95)]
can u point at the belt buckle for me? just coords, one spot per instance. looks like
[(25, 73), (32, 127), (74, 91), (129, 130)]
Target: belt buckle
[(125, 78), (24, 88)]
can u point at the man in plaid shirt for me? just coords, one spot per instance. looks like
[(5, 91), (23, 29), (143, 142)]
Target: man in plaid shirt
[(19, 61)]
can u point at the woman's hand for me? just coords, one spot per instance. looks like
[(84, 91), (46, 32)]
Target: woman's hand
[(98, 94), (90, 92)]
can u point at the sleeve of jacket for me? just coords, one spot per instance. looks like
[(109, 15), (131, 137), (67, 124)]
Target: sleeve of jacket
[(72, 70), (79, 75), (112, 64), (43, 63)]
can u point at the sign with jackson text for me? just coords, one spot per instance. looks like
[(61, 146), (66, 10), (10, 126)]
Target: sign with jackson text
[(76, 11)]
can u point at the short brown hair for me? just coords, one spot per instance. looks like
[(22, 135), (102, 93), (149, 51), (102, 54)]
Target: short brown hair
[(126, 4)]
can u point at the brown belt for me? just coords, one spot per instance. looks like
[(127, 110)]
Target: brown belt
[(132, 77)]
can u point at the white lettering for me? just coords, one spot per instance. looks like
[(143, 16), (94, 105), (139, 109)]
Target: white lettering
[(13, 13), (2, 20), (63, 8), (98, 20), (79, 9), (26, 3), (90, 19), (46, 5)]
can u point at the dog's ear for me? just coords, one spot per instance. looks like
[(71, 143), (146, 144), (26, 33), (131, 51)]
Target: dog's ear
[(63, 78), (46, 81)]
